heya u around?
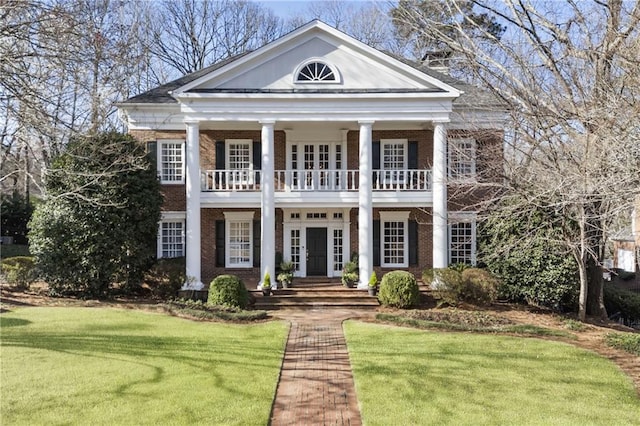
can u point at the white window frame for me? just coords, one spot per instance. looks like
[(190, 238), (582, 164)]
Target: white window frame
[(238, 218), (455, 150), (171, 217), (457, 218), (388, 173), (163, 178), (395, 216), (243, 176), (337, 77)]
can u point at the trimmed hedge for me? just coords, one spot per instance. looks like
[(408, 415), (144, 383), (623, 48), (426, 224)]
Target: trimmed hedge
[(228, 290), (19, 271), (399, 289)]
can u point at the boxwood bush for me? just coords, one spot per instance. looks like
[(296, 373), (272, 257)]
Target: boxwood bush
[(228, 290), (19, 271), (399, 289)]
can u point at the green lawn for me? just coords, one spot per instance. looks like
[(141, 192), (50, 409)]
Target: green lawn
[(118, 367), (406, 376)]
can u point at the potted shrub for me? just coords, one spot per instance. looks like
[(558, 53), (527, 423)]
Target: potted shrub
[(350, 274), (266, 285), (286, 274), (373, 284)]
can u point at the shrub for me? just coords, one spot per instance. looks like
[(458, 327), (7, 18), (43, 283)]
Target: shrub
[(373, 280), (19, 271), (622, 303), (480, 286), (455, 284), (399, 289), (228, 290), (447, 285), (166, 277)]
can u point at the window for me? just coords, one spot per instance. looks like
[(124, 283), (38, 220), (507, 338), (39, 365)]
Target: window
[(171, 235), (295, 249), (394, 160), (337, 249), (395, 240), (316, 72), (462, 158), (171, 161), (462, 238), (239, 242), (239, 157)]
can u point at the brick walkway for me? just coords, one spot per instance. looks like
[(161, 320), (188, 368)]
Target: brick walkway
[(316, 384)]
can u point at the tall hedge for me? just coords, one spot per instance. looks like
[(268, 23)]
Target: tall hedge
[(98, 222)]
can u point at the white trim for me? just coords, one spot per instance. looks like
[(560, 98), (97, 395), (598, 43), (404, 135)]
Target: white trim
[(182, 144), (320, 29), (395, 216), (171, 217), (452, 145), (238, 217), (337, 77), (463, 217)]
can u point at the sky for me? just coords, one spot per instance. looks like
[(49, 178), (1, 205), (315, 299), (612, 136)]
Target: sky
[(288, 8)]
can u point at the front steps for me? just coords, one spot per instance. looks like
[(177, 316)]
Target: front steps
[(320, 294)]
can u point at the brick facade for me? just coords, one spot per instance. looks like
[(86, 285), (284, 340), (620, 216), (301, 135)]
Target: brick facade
[(488, 144)]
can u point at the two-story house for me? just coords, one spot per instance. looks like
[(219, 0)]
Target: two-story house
[(317, 147)]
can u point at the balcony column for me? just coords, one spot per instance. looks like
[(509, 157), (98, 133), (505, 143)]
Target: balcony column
[(192, 184), (440, 241), (365, 206), (268, 210)]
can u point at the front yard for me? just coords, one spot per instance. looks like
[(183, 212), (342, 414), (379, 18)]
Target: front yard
[(117, 367), (406, 376)]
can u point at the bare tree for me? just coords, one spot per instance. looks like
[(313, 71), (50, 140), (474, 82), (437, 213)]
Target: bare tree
[(188, 35), (570, 74)]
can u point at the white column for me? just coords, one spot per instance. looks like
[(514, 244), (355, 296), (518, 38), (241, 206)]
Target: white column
[(365, 206), (439, 175), (193, 206), (268, 210)]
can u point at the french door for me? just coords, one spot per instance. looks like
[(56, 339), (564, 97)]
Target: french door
[(316, 166)]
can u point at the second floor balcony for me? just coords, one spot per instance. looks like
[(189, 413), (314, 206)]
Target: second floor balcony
[(407, 180)]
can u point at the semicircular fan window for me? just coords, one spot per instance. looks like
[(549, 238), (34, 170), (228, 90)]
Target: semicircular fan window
[(316, 71)]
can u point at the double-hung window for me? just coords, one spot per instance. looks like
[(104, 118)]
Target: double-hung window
[(239, 242), (171, 161), (171, 235), (394, 160), (239, 157), (462, 158), (462, 238), (394, 239)]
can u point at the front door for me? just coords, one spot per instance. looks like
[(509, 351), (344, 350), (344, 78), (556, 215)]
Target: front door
[(317, 251)]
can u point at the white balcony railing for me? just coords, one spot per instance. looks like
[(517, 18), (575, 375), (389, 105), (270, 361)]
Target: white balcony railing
[(316, 180)]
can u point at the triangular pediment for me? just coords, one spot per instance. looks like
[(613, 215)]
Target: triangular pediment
[(356, 67)]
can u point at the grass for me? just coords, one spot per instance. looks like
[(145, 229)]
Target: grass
[(117, 367), (13, 250), (406, 376), (628, 342)]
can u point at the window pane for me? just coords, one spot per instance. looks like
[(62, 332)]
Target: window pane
[(461, 243), (239, 244), (171, 160), (172, 239), (461, 158), (393, 243)]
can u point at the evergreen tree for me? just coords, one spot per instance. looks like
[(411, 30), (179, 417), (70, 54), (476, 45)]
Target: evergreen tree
[(98, 222)]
